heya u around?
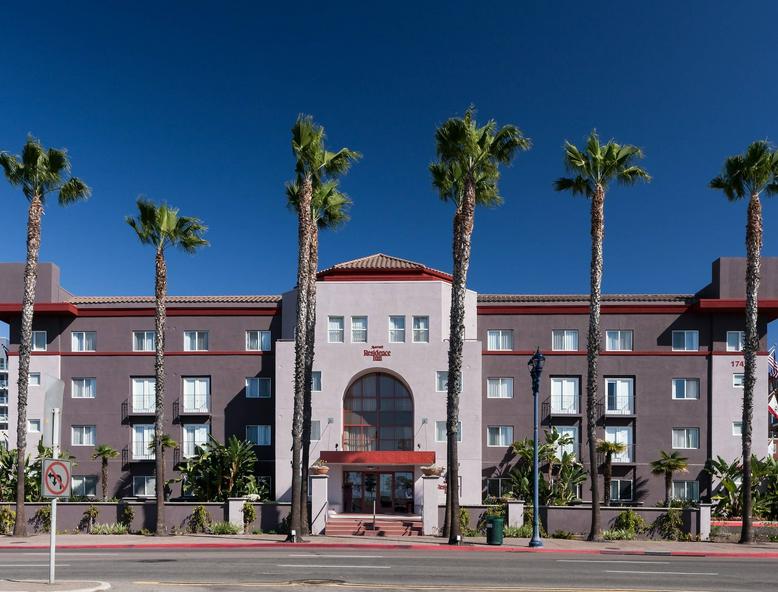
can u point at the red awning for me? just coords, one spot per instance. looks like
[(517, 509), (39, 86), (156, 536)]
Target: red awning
[(379, 457)]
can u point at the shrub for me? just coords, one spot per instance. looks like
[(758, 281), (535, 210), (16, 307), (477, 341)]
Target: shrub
[(145, 532), (224, 528), (88, 519), (618, 534), (199, 520), (127, 516), (249, 515), (464, 523), (670, 526), (523, 532), (41, 520), (630, 520), (115, 528), (562, 534), (7, 520)]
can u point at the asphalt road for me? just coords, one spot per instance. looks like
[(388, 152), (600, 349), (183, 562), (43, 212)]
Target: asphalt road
[(409, 571)]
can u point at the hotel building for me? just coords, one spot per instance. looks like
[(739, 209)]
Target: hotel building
[(670, 379)]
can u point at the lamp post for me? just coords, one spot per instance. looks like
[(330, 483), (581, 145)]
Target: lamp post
[(535, 370)]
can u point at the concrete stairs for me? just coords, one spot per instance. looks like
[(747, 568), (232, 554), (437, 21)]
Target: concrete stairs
[(393, 526)]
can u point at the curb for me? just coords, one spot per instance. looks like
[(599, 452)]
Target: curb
[(97, 587), (408, 547)]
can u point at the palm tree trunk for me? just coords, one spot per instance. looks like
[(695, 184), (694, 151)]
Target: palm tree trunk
[(25, 347), (104, 477), (606, 479), (668, 487), (464, 220), (593, 351), (751, 346), (310, 331), (160, 294), (300, 352)]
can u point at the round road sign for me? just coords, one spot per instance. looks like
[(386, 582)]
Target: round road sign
[(56, 478)]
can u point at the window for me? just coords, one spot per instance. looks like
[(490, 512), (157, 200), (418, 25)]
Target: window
[(396, 329), (316, 381), (499, 487), (34, 379), (84, 485), (259, 435), (499, 340), (440, 431), (144, 395), (195, 340), (315, 430), (358, 329), (621, 490), (686, 490), (335, 329), (39, 341), (257, 388), (421, 329), (144, 486), (82, 435), (564, 394), (620, 435), (258, 341), (735, 341), (194, 436), (441, 381), (619, 394), (142, 437), (686, 438), (83, 388), (572, 447), (686, 340), (564, 340), (618, 340), (197, 395), (34, 425), (144, 341), (686, 388), (499, 436), (737, 428), (738, 380), (83, 341), (499, 388)]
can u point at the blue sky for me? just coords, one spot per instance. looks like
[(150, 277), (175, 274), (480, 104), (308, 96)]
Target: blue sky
[(191, 102)]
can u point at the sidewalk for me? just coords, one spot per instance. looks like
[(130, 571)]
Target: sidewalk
[(693, 549), (59, 586)]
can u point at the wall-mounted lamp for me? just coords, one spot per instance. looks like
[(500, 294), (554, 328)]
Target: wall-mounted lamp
[(330, 420), (423, 421), (336, 446)]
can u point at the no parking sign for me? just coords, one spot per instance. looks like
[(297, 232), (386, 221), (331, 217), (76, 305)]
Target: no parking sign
[(55, 478)]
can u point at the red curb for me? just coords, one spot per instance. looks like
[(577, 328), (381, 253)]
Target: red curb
[(406, 547)]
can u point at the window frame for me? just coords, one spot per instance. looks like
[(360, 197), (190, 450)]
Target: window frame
[(148, 453), (576, 440), (739, 432), (445, 435), (74, 429), (501, 333), (438, 374), (145, 332), (742, 380), (687, 431), (630, 332), (499, 427), (315, 373), (269, 432), (318, 423), (341, 331), (674, 390), (187, 427), (84, 478), (353, 330), (84, 378), (618, 481), (35, 347), (393, 330), (36, 381), (686, 333), (741, 341), (630, 396), (424, 331), (260, 380), (261, 334), (73, 341), (564, 333), (686, 482), (146, 480), (194, 395), (561, 380), (197, 347), (31, 421), (509, 380), (146, 396)]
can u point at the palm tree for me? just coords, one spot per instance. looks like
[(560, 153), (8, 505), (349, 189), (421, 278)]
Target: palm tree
[(104, 452), (467, 174), (593, 169), (39, 172), (609, 449), (666, 465), (749, 175), (162, 227), (314, 165)]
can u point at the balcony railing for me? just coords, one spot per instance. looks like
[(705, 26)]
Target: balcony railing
[(358, 443), (137, 407), (141, 450), (561, 405), (626, 457), (191, 406)]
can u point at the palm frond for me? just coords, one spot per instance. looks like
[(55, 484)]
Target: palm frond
[(576, 185), (73, 190)]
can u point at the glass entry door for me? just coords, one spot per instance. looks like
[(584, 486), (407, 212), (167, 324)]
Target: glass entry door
[(391, 491)]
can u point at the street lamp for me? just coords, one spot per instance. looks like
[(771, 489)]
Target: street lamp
[(535, 370)]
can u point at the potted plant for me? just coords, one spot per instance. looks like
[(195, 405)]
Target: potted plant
[(320, 467), (432, 471)]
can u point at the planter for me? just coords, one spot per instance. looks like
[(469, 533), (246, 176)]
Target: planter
[(432, 471), (323, 470)]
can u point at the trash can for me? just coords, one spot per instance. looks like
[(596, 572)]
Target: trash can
[(494, 530)]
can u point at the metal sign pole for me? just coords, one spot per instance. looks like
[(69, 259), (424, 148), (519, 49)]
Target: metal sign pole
[(53, 529)]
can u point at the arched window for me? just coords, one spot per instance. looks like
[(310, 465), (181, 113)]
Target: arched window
[(377, 414)]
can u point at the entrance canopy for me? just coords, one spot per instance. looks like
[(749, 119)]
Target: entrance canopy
[(379, 457)]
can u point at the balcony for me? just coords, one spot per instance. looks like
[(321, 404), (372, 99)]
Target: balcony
[(625, 458), (191, 407), (561, 405), (139, 406)]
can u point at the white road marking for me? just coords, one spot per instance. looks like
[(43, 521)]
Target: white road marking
[(65, 552), (11, 565), (335, 566), (664, 573), (335, 555), (607, 561)]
